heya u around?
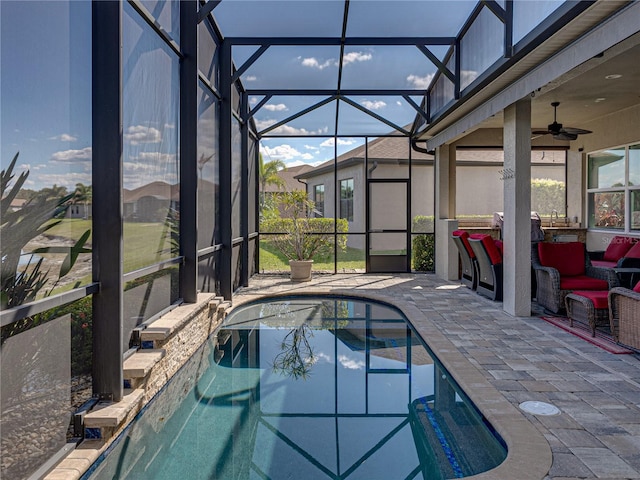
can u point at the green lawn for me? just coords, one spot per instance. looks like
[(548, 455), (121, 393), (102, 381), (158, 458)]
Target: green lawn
[(272, 260), (144, 243)]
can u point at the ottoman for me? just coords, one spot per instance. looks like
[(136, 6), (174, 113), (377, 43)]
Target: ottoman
[(588, 306)]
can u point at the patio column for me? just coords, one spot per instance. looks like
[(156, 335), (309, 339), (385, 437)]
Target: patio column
[(107, 200), (445, 209), (224, 270), (516, 231)]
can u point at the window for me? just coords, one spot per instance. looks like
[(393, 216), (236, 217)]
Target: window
[(318, 198), (613, 188), (346, 199)]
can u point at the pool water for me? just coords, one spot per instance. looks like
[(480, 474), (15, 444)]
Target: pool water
[(308, 388)]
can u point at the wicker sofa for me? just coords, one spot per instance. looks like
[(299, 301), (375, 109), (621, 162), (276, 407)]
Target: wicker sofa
[(561, 268), (622, 251), (624, 315)]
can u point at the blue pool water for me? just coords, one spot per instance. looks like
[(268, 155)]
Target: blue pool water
[(307, 388)]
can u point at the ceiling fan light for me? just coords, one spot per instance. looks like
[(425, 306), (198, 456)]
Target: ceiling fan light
[(613, 76)]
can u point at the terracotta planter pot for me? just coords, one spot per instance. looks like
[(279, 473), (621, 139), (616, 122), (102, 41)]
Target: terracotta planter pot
[(300, 270)]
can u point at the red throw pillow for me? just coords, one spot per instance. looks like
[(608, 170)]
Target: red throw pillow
[(637, 287), (566, 257), (634, 252), (617, 248)]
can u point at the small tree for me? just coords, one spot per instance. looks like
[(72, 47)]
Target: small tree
[(300, 237)]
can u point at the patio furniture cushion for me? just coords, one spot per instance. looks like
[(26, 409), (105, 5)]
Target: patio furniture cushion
[(490, 246), (637, 287), (582, 282), (566, 257), (617, 248), (599, 298), (500, 245), (634, 251), (464, 236)]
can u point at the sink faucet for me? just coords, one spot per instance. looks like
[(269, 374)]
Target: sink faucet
[(553, 212)]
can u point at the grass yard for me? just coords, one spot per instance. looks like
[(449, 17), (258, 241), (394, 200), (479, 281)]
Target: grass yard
[(144, 243), (271, 260)]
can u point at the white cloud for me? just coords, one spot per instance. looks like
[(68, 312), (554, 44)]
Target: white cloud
[(350, 363), (24, 166), (276, 108), (137, 134), (307, 156), (312, 148), (65, 137), (355, 57), (251, 78), (330, 142), (287, 130), (253, 100), (66, 156), (155, 157), (399, 103), (420, 82), (282, 152), (312, 62), (376, 105), (67, 179)]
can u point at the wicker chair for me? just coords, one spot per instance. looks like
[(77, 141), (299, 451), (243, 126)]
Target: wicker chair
[(566, 267), (624, 315)]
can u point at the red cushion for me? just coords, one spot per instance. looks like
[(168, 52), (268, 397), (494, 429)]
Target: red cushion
[(599, 298), (566, 257), (582, 282), (464, 236), (637, 287), (500, 245), (617, 248), (603, 263), (495, 256), (633, 252)]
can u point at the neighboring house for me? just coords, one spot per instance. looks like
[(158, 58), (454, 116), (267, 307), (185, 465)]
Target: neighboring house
[(79, 210), (17, 203), (151, 202)]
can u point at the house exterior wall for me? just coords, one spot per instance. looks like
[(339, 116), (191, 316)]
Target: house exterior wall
[(611, 131)]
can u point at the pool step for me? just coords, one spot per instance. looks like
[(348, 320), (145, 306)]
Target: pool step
[(173, 321), (138, 366), (107, 415)]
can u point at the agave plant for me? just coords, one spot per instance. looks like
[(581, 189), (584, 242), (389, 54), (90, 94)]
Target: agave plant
[(19, 227)]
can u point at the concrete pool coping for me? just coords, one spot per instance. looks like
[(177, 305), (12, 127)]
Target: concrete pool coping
[(529, 454)]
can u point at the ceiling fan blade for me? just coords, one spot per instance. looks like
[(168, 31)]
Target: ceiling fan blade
[(575, 131), (565, 136), (540, 132)]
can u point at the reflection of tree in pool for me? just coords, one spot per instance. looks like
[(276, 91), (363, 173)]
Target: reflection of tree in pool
[(296, 355)]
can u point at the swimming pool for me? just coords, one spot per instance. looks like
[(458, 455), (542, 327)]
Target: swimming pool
[(308, 388)]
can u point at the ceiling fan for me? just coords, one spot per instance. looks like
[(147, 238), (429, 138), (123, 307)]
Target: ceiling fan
[(558, 131)]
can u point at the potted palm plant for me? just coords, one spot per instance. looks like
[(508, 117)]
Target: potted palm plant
[(299, 236)]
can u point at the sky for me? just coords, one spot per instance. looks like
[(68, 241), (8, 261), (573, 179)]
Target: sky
[(45, 79)]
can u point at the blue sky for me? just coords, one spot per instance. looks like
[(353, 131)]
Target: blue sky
[(46, 91)]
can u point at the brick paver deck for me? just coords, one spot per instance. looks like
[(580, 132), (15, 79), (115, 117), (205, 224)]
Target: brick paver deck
[(597, 434)]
